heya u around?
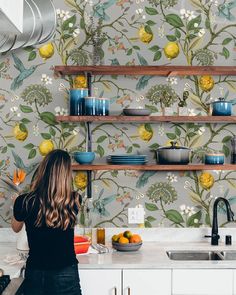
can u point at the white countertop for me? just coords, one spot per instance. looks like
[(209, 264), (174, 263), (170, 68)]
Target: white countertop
[(151, 255)]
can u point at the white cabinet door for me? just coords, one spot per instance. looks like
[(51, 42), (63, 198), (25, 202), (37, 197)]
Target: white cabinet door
[(202, 282), (234, 282), (146, 282), (100, 281)]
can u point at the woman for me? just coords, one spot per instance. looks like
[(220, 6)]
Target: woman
[(49, 212)]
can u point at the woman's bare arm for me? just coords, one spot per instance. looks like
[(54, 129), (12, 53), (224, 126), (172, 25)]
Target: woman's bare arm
[(16, 225)]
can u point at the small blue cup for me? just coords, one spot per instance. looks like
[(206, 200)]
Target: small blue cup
[(77, 101), (214, 158), (222, 108), (103, 107), (90, 106)]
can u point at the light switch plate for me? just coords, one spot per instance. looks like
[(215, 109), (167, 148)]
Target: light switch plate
[(135, 215)]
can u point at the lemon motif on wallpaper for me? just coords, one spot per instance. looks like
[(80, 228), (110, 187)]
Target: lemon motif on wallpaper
[(80, 81), (206, 83), (46, 51), (171, 50), (145, 36), (46, 146), (80, 180), (20, 134), (145, 132), (206, 180)]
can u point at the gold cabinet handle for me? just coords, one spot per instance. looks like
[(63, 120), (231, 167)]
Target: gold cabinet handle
[(129, 291)]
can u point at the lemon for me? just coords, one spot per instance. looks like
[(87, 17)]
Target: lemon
[(115, 238), (80, 82), (171, 50), (145, 133), (45, 147), (46, 51), (144, 36), (80, 180), (206, 83), (206, 180), (19, 134)]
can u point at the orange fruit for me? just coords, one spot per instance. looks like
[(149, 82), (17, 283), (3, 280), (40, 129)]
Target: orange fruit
[(127, 234), (135, 239), (123, 240), (120, 235)]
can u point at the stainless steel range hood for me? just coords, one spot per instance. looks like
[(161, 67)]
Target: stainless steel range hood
[(38, 25)]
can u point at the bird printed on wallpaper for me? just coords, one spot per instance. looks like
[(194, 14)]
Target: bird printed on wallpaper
[(143, 179), (100, 9), (99, 205), (225, 10), (143, 81), (24, 73), (18, 162)]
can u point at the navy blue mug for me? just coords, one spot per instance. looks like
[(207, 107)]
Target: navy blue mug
[(77, 97)]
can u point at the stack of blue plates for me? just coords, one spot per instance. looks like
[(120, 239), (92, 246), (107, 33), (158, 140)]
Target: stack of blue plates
[(127, 159)]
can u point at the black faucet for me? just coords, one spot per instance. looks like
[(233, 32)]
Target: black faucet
[(230, 216)]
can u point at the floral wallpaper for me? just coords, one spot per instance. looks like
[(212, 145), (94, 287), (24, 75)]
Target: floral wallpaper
[(126, 32)]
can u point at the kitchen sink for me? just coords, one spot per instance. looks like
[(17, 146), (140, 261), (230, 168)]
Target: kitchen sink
[(195, 255), (227, 255)]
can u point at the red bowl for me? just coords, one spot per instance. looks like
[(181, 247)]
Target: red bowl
[(80, 239), (81, 247)]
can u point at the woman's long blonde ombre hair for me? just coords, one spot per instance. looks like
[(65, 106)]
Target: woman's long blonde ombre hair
[(52, 186)]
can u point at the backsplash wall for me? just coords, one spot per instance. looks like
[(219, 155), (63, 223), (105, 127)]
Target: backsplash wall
[(153, 32)]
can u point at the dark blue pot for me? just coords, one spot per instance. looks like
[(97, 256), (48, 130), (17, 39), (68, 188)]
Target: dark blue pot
[(214, 159), (221, 108), (77, 96)]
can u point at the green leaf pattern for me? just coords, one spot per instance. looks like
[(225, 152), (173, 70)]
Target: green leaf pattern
[(205, 35)]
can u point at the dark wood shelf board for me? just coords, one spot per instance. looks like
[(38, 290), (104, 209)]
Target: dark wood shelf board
[(130, 119), (147, 70), (153, 167)]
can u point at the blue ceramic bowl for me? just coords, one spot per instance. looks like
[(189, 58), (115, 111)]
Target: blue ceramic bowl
[(222, 108), (84, 157), (214, 159)]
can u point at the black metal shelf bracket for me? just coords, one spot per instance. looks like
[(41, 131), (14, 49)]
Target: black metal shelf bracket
[(89, 139)]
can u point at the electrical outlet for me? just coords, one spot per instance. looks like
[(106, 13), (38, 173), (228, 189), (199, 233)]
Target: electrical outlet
[(135, 215)]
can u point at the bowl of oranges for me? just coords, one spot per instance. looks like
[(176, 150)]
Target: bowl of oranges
[(126, 241)]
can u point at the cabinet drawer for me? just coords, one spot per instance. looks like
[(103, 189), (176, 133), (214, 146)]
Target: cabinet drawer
[(202, 282)]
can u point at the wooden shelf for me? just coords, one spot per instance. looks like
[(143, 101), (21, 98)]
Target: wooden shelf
[(147, 70), (153, 167), (151, 119)]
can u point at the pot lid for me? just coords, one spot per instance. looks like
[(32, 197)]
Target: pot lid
[(221, 100), (173, 146)]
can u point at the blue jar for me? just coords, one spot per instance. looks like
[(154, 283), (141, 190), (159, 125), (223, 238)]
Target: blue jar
[(104, 106), (90, 106), (222, 108), (214, 158), (77, 101)]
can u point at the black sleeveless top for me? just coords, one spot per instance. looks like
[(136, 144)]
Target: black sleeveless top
[(50, 248)]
